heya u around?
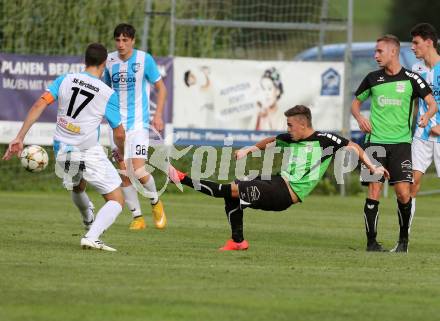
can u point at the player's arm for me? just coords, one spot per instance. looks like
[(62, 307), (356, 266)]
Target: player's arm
[(160, 103), (376, 170), (113, 116), (16, 145), (153, 76), (261, 145), (435, 130), (364, 123), (106, 77), (415, 109), (119, 139), (432, 110), (362, 94), (422, 89)]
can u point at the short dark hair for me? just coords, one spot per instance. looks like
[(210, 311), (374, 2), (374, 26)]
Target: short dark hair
[(425, 31), (300, 110), (124, 29), (95, 55), (390, 39)]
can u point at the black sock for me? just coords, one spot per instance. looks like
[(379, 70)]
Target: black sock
[(235, 219), (404, 213), (208, 187), (371, 210)]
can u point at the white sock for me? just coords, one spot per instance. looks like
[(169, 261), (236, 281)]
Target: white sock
[(104, 219), (413, 212), (82, 201), (150, 186), (132, 200)]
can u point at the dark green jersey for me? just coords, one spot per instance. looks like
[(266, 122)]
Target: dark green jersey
[(306, 160), (391, 104)]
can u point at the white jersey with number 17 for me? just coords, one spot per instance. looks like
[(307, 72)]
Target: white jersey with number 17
[(83, 101)]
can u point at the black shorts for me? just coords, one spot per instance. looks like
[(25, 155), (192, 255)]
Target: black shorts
[(396, 158), (267, 195)]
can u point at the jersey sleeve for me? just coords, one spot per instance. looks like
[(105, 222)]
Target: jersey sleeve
[(364, 90), (283, 140), (54, 87), (420, 86), (151, 71), (106, 77), (336, 141), (112, 111)]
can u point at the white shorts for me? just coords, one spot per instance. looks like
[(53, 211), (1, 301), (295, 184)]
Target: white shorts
[(423, 153), (92, 165), (136, 143)]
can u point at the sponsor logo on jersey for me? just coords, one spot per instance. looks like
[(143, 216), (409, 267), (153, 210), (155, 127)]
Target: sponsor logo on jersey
[(381, 78), (385, 101), (436, 92), (122, 78), (69, 126)]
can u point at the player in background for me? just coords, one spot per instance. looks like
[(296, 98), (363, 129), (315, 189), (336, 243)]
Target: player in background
[(130, 72), (311, 153), (426, 140), (83, 101), (389, 130)]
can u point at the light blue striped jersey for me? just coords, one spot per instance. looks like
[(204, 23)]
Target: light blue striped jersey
[(131, 79), (432, 77), (83, 101)]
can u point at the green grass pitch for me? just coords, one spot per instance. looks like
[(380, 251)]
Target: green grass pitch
[(307, 263)]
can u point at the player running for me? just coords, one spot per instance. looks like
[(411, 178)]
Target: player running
[(83, 101), (310, 155), (426, 143), (130, 72), (392, 90)]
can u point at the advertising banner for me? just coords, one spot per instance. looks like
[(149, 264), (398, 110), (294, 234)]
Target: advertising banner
[(23, 78), (243, 95)]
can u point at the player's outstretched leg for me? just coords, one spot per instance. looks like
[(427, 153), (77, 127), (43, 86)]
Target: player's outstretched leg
[(203, 186), (232, 206)]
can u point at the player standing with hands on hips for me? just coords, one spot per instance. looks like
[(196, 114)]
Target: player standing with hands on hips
[(392, 90), (130, 72)]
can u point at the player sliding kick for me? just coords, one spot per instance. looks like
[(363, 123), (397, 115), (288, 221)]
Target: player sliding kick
[(291, 186)]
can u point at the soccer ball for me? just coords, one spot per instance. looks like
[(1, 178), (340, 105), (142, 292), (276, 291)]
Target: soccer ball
[(34, 158)]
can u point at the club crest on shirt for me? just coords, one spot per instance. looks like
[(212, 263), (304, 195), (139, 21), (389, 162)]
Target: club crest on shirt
[(135, 67), (400, 87), (308, 147)]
